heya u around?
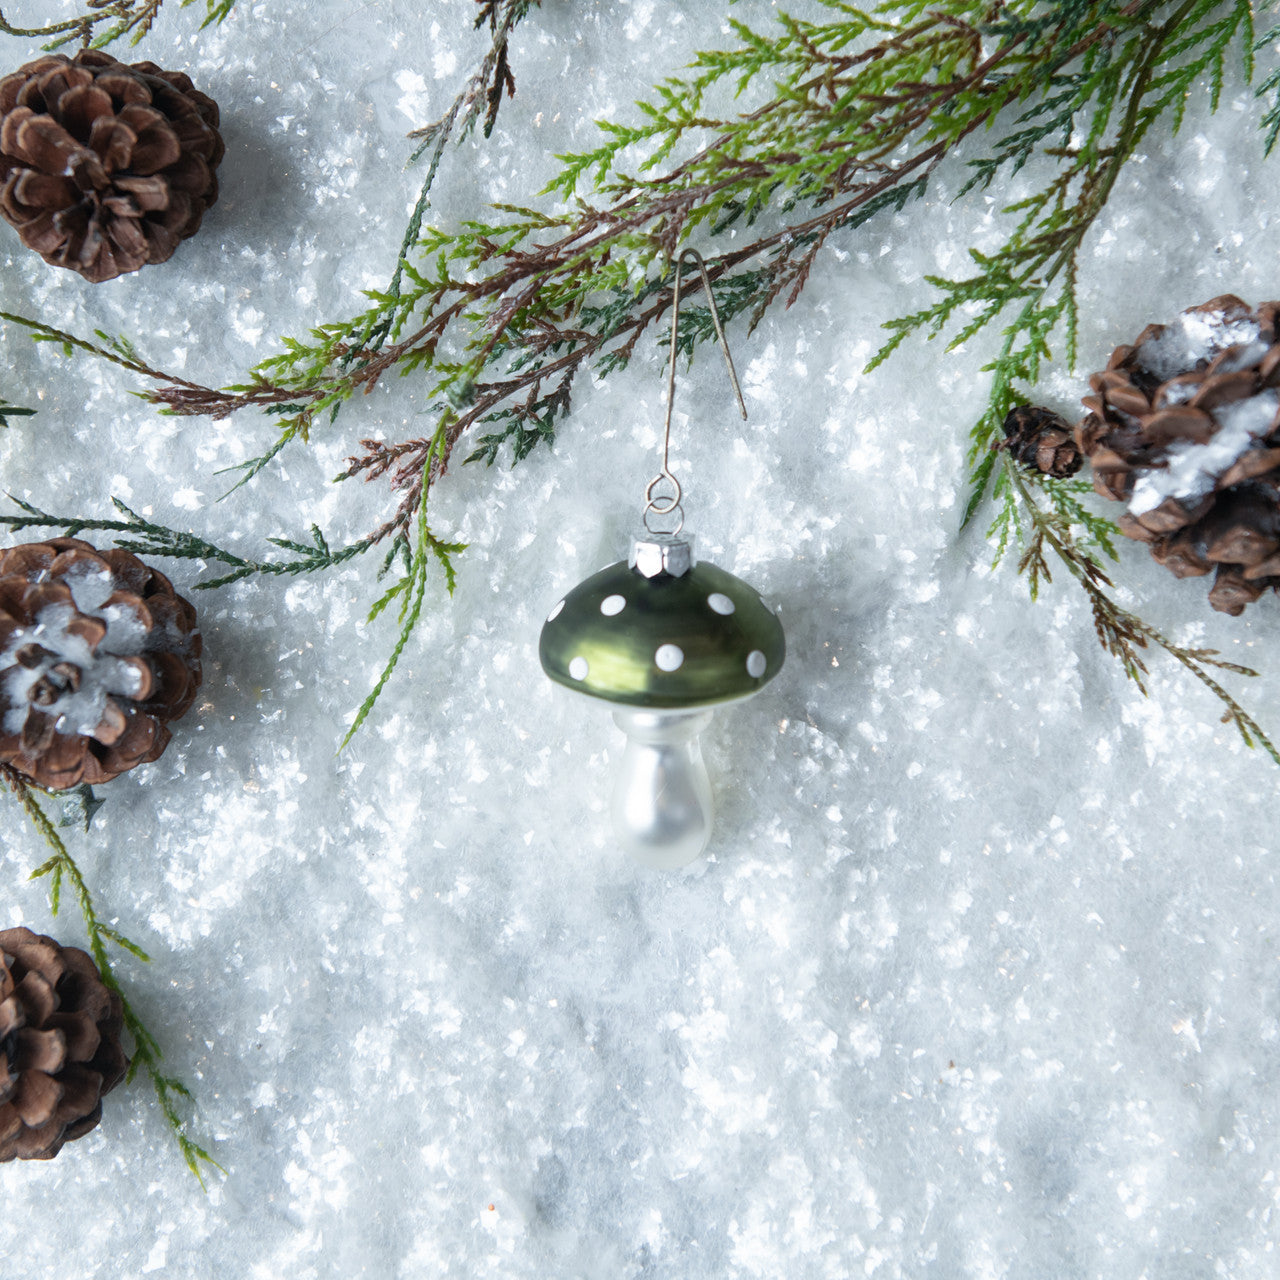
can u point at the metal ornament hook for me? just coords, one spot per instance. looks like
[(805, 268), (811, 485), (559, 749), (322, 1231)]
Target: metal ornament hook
[(668, 503)]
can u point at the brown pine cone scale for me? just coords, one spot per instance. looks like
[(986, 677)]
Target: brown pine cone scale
[(1183, 426), (60, 1049), (105, 167), (97, 654)]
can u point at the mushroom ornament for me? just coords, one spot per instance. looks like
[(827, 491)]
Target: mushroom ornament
[(665, 640)]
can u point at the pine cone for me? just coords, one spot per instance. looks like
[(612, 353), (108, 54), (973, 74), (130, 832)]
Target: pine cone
[(97, 652), (1040, 438), (1184, 427), (60, 1050), (105, 167)]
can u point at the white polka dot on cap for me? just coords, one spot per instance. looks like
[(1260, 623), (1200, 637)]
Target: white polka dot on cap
[(669, 657)]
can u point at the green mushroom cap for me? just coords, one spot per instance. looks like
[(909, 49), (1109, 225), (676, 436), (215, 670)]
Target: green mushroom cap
[(667, 641)]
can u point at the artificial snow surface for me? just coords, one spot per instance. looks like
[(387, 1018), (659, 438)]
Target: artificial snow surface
[(980, 978)]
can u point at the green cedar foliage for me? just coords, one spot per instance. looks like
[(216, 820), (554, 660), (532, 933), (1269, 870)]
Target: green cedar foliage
[(147, 1056)]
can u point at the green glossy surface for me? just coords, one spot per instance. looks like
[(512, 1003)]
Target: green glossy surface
[(621, 652)]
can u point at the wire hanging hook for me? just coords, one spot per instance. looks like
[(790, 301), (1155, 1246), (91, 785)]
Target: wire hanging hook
[(664, 504)]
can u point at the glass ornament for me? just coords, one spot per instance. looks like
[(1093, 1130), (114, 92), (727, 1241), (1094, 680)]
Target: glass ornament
[(666, 640)]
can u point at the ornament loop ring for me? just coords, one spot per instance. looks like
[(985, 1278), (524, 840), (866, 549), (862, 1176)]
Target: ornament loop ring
[(663, 504)]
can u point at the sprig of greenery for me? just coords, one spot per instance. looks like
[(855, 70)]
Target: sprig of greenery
[(1147, 72), (1049, 526), (145, 537), (102, 22), (1269, 89), (117, 350), (480, 97), (536, 297), (411, 589), (59, 869)]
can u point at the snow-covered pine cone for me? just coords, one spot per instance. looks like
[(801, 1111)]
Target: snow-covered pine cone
[(97, 653), (105, 167), (1184, 428), (60, 1048)]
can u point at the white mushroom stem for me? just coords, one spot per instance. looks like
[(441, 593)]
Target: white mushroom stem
[(662, 801)]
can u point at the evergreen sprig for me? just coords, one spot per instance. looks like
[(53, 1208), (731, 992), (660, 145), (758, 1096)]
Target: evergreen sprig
[(61, 869), (480, 98), (102, 22), (145, 537), (117, 349), (1049, 525), (411, 589), (528, 301)]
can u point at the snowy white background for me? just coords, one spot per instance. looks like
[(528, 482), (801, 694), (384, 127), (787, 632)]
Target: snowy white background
[(980, 978)]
